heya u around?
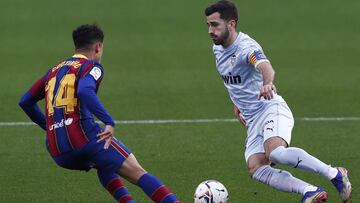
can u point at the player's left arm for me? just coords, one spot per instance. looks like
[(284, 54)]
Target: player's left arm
[(28, 102), (258, 59), (268, 89), (86, 92)]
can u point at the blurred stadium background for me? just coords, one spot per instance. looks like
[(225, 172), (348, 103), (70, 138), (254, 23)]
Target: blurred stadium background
[(159, 65)]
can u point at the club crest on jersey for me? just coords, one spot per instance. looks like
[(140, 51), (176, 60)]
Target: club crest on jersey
[(231, 79), (233, 60)]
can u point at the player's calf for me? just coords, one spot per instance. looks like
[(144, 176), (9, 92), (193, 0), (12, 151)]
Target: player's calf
[(298, 158), (156, 190), (112, 183), (281, 180), (152, 186)]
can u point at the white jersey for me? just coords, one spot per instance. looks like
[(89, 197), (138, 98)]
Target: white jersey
[(237, 67)]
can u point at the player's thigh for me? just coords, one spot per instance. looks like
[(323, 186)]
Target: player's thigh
[(271, 129), (109, 159), (277, 126), (73, 161), (254, 141)]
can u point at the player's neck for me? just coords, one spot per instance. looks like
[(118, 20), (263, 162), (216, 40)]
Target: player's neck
[(88, 54), (231, 39)]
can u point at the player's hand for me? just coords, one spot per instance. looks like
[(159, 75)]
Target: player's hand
[(106, 136), (267, 91), (239, 116)]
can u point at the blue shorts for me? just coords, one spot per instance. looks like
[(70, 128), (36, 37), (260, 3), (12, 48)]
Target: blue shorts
[(93, 155)]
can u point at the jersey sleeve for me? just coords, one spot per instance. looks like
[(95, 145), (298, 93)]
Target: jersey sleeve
[(28, 102), (255, 55), (87, 88)]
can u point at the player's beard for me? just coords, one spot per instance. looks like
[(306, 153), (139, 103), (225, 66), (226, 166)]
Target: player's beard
[(223, 38)]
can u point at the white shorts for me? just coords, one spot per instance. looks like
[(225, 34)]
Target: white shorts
[(275, 121)]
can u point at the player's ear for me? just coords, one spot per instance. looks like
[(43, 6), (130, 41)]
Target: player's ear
[(232, 23), (98, 47)]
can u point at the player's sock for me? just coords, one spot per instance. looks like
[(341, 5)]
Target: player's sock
[(156, 190), (113, 184), (298, 158), (281, 180)]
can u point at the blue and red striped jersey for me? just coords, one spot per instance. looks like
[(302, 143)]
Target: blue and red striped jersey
[(69, 89)]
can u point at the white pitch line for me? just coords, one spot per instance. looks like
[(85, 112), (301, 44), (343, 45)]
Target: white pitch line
[(214, 120), (329, 119)]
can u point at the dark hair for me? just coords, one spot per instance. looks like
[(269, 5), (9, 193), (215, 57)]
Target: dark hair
[(226, 8), (86, 35)]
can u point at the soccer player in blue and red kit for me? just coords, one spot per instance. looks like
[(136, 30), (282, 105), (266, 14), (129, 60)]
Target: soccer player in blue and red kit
[(74, 140)]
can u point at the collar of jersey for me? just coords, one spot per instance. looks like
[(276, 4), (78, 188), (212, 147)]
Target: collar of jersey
[(233, 45), (80, 56)]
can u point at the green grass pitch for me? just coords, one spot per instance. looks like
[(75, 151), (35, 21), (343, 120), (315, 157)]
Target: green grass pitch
[(158, 65)]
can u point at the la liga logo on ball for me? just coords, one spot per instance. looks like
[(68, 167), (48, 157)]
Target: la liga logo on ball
[(211, 191)]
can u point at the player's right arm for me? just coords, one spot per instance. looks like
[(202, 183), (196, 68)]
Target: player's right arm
[(28, 102)]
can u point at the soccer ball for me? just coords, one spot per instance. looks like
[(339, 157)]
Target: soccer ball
[(211, 191)]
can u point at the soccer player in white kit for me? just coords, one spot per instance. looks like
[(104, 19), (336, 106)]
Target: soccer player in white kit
[(248, 77)]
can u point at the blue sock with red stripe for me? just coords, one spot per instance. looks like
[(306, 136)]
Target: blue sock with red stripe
[(156, 190), (113, 184)]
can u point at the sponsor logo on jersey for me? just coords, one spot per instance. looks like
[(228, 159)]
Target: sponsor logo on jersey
[(61, 124), (231, 79)]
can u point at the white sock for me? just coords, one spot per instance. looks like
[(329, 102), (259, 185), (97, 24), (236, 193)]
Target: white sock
[(309, 188), (280, 179), (298, 158)]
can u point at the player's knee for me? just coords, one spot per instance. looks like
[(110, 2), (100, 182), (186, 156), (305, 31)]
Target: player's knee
[(135, 175), (273, 143), (255, 162), (275, 156), (131, 170), (286, 173), (252, 169)]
